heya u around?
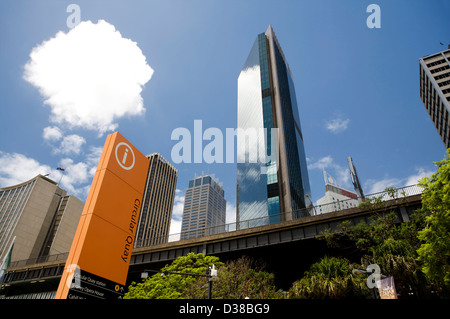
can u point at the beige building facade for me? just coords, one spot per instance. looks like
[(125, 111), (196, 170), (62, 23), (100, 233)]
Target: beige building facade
[(39, 217)]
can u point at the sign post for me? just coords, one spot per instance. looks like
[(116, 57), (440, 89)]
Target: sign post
[(98, 261)]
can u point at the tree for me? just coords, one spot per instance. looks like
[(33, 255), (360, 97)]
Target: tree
[(173, 286), (434, 253), (389, 245), (330, 278), (233, 278), (231, 281)]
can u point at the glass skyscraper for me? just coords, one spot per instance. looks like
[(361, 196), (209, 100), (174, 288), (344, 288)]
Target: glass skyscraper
[(276, 187)]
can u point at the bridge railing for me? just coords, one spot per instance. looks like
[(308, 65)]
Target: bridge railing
[(58, 257), (391, 193), (388, 194)]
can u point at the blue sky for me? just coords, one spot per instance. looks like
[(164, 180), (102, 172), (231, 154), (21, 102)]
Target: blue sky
[(357, 88)]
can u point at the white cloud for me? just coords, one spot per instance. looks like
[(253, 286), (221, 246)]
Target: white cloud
[(414, 179), (371, 186), (52, 133), (17, 168), (76, 179), (231, 213), (76, 172), (71, 144), (177, 213), (178, 205), (376, 186), (93, 158), (78, 176), (90, 77), (342, 174), (337, 125), (322, 163)]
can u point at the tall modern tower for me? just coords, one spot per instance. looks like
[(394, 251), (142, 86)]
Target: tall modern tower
[(157, 202), (204, 208), (277, 188), (435, 91)]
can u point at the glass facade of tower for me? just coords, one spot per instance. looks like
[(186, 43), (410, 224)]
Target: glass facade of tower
[(260, 183), (295, 150)]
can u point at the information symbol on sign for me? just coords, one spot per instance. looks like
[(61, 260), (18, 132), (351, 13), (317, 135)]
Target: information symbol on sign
[(125, 156)]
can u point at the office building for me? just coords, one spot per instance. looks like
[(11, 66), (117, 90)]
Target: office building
[(40, 216), (276, 189), (435, 91), (204, 210), (336, 197), (157, 202)]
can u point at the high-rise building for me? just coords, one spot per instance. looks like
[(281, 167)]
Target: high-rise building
[(435, 91), (276, 189), (39, 217), (204, 210), (157, 202)]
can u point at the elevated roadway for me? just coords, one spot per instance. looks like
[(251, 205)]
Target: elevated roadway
[(288, 248)]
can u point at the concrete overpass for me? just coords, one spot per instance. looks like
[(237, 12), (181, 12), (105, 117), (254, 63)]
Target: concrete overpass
[(288, 248)]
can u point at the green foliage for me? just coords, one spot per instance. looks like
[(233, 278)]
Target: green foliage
[(378, 202), (434, 253), (230, 283), (372, 203), (393, 247), (172, 286), (415, 252), (330, 278)]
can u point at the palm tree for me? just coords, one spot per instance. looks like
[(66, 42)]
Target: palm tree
[(330, 278)]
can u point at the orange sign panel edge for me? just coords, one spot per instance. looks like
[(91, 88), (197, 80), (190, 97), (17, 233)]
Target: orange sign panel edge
[(108, 164)]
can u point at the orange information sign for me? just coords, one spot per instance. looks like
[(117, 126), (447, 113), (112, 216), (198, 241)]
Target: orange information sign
[(103, 242)]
